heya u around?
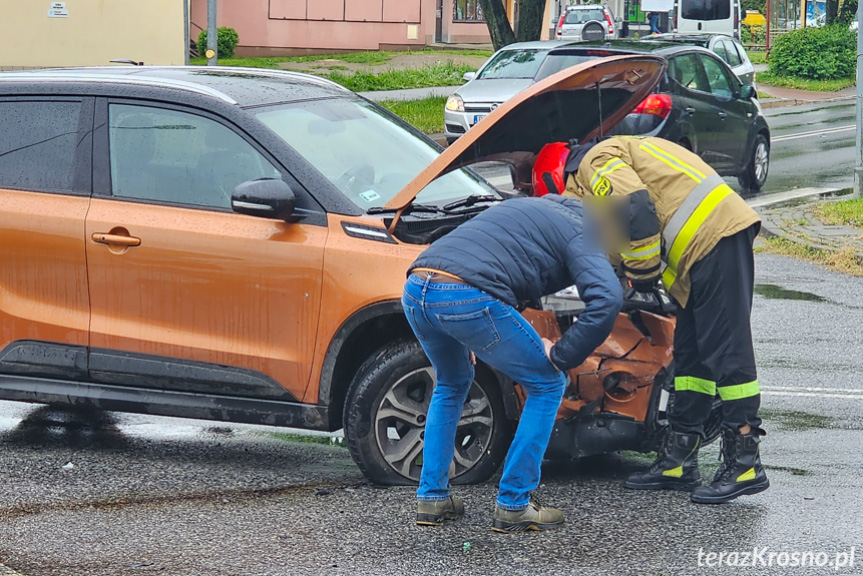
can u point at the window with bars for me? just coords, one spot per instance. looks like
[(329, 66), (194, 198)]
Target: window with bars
[(468, 10)]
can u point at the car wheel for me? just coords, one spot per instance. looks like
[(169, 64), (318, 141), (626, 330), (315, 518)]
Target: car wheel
[(385, 416), (754, 175), (657, 417)]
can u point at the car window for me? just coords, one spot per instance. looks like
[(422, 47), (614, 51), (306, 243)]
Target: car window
[(366, 155), (733, 59), (717, 77), (583, 16), (172, 156), (705, 9), (37, 145), (686, 70), (513, 64), (555, 62), (719, 49)]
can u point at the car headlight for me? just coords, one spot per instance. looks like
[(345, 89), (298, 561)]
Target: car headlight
[(455, 104)]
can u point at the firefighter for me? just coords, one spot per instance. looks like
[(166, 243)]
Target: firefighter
[(683, 225)]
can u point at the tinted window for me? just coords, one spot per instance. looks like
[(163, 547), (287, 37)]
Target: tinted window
[(170, 156), (583, 16), (513, 64), (705, 9), (719, 49), (37, 145), (717, 77), (687, 71), (733, 57), (557, 62)]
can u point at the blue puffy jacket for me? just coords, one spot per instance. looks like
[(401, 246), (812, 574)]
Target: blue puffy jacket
[(526, 248)]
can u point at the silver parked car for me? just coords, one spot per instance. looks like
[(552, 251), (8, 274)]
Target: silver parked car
[(580, 23), (728, 48), (509, 71)]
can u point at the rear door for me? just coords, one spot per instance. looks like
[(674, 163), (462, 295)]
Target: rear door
[(734, 114), (698, 119), (186, 294), (45, 153)]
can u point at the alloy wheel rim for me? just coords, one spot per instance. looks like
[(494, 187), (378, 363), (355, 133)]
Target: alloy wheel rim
[(760, 163), (400, 421)]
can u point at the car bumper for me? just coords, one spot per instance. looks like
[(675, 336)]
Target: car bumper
[(457, 123)]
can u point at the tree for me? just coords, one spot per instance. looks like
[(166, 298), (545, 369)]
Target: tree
[(832, 10), (527, 28), (848, 11)]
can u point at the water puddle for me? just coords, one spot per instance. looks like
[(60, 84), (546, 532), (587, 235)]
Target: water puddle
[(775, 292)]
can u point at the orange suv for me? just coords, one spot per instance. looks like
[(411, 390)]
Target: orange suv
[(231, 244)]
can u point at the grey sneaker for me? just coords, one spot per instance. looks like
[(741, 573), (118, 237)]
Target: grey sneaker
[(534, 517), (434, 512)]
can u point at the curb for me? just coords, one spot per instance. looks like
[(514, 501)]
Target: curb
[(783, 102), (6, 571), (780, 199)]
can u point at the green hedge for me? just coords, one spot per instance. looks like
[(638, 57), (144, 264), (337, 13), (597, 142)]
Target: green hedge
[(226, 43), (827, 53)]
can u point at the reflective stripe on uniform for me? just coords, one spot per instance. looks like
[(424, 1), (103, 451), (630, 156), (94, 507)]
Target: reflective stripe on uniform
[(688, 218), (673, 161), (645, 253), (610, 166), (739, 391), (693, 384)]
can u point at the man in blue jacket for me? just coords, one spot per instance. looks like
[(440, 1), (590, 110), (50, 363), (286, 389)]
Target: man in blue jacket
[(460, 300)]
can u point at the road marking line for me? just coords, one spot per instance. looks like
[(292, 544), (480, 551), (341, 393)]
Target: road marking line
[(6, 571), (813, 395), (809, 389), (813, 133)]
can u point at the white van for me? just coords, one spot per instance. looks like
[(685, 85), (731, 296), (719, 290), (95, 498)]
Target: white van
[(716, 16)]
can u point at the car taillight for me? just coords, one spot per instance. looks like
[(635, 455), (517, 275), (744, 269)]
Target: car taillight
[(655, 105), (610, 23), (675, 19), (560, 24)]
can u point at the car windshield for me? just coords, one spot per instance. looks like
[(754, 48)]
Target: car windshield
[(583, 16), (513, 64), (363, 152)]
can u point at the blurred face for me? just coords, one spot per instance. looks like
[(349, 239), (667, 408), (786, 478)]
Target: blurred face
[(609, 217)]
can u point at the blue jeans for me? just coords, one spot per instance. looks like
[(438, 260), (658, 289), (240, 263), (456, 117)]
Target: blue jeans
[(449, 321)]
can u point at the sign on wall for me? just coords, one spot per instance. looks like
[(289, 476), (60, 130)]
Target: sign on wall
[(58, 10)]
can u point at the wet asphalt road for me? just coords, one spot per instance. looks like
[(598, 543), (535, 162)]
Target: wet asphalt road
[(153, 495), (812, 145)]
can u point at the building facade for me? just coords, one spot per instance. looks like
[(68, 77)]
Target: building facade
[(286, 27)]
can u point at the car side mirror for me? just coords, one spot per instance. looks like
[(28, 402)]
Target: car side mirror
[(468, 76), (265, 197), (619, 19), (747, 92)]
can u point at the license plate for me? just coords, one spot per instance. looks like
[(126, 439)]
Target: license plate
[(478, 117)]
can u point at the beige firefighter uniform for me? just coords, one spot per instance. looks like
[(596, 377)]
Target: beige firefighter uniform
[(694, 208)]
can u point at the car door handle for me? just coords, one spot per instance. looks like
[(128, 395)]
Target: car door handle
[(723, 115), (115, 239), (689, 110)]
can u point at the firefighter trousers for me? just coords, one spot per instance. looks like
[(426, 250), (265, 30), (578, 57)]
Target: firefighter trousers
[(713, 352)]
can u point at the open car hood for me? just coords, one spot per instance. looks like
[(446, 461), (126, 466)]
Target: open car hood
[(580, 102)]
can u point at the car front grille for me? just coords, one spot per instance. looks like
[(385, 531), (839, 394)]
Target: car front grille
[(480, 107)]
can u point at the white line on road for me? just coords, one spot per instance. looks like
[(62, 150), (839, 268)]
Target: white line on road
[(858, 396), (813, 133)]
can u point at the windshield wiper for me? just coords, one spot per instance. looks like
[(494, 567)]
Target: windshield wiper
[(413, 207), (471, 200)]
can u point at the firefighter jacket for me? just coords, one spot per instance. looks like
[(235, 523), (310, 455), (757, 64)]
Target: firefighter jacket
[(678, 207)]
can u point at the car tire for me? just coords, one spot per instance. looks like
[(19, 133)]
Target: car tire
[(754, 175), (386, 406)]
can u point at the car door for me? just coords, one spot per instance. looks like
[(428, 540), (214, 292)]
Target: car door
[(187, 295), (739, 62), (45, 153), (734, 115), (698, 114)]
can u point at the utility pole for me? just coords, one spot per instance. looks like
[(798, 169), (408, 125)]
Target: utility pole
[(858, 163), (212, 35), (186, 31)]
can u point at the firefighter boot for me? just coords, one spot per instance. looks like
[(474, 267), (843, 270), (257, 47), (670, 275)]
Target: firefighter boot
[(741, 472), (676, 468), (534, 517)]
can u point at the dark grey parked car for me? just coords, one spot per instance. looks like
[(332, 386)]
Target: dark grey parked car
[(700, 104)]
